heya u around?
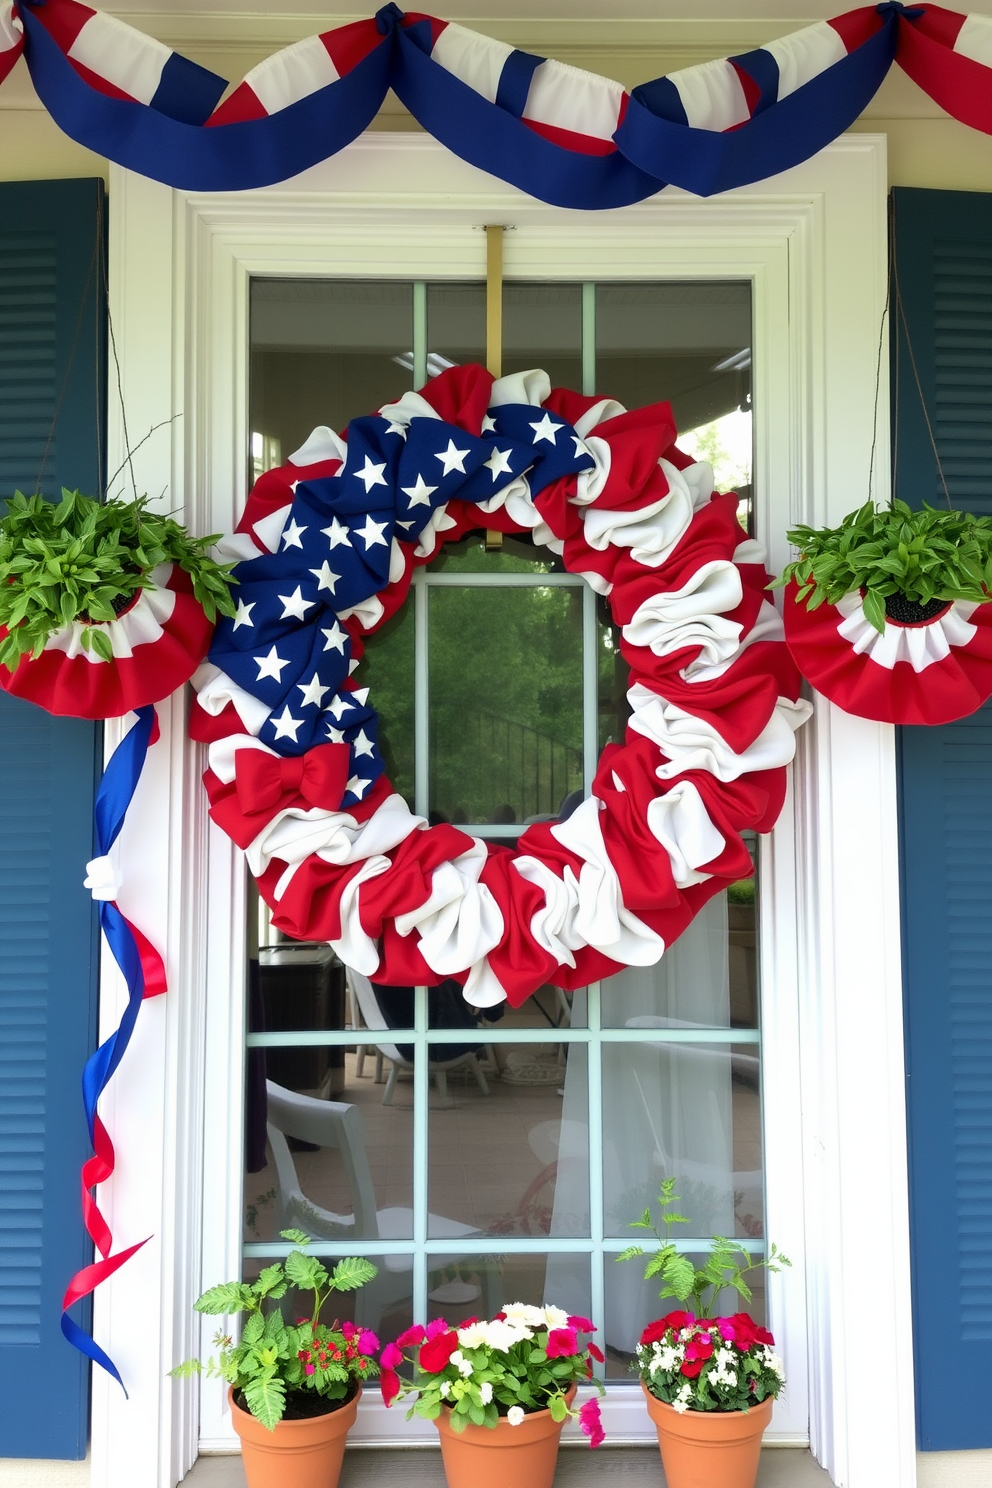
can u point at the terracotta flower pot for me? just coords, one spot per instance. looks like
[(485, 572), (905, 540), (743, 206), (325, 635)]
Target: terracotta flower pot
[(309, 1451), (492, 1457), (709, 1449)]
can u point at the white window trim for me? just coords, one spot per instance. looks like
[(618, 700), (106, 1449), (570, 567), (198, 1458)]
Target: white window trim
[(813, 243)]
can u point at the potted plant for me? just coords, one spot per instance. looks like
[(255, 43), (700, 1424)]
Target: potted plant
[(709, 1382), (499, 1392), (888, 614), (104, 606), (294, 1387)]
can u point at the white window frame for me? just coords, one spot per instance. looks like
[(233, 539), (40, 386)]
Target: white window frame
[(813, 244)]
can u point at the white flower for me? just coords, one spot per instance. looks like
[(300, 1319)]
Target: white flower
[(485, 1392), (503, 1335), (445, 1388), (668, 1359), (522, 1315), (515, 1415), (774, 1363), (681, 1401), (555, 1318), (463, 1365), (473, 1336)]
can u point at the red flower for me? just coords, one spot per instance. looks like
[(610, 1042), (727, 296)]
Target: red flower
[(700, 1347), (655, 1332), (581, 1325), (389, 1384), (412, 1336), (562, 1343), (591, 1422), (692, 1367), (435, 1352), (762, 1335), (597, 1353)]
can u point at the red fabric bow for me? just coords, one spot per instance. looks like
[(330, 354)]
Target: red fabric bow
[(266, 782)]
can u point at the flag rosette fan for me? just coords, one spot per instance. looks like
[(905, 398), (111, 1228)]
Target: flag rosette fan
[(889, 614), (329, 544)]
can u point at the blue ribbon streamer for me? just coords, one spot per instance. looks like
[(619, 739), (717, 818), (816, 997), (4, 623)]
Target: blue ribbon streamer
[(114, 796)]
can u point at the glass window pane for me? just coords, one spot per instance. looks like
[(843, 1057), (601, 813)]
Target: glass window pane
[(517, 555), (542, 327), (505, 702), (632, 1303), (688, 1111), (384, 1304), (462, 1286), (387, 669), (515, 1162), (324, 351)]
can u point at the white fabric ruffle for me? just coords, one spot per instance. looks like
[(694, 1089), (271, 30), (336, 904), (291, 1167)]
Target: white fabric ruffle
[(692, 616), (141, 626), (689, 743), (920, 645)]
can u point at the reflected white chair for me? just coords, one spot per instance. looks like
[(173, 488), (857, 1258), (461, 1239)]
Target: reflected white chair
[(364, 995), (339, 1125)]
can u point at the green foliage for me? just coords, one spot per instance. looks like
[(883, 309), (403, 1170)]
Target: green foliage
[(78, 559), (274, 1358), (726, 1265), (923, 555)]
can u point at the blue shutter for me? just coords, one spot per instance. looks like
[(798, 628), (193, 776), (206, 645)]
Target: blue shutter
[(51, 349), (944, 253)]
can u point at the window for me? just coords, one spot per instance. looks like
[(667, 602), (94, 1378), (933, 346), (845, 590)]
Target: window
[(485, 1159)]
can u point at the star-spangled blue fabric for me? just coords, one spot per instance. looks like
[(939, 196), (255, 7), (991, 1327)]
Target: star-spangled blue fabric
[(287, 645)]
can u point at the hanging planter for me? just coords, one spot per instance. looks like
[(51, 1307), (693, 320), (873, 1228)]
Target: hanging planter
[(104, 606), (888, 615)]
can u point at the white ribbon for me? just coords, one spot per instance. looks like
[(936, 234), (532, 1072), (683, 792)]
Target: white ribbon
[(920, 645), (681, 823), (215, 689), (691, 616), (103, 878), (606, 922), (689, 743), (460, 922)]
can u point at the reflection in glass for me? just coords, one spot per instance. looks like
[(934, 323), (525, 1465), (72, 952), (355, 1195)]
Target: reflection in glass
[(384, 1304), (338, 1169), (688, 1111), (463, 1286), (516, 1163), (632, 1303), (505, 702), (542, 327), (708, 978), (324, 351)]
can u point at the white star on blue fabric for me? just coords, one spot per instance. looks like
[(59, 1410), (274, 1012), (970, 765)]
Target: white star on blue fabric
[(291, 536), (546, 430), (370, 474), (285, 726), (498, 463), (326, 578), (488, 425), (335, 638), (336, 534), (357, 787), (360, 694), (372, 532), (581, 448), (295, 605), (337, 706), (270, 666), (243, 617), (362, 744), (335, 736), (452, 458), (420, 494), (313, 691), (396, 428)]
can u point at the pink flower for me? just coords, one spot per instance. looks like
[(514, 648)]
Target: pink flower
[(562, 1343), (412, 1336), (436, 1327), (391, 1356), (591, 1422), (349, 1330), (581, 1325), (308, 1368), (368, 1343), (389, 1384), (597, 1353)]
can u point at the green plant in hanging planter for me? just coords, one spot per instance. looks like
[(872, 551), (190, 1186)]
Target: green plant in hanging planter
[(905, 563), (85, 560)]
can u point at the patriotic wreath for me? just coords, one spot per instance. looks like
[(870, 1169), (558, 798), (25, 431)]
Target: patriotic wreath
[(328, 544)]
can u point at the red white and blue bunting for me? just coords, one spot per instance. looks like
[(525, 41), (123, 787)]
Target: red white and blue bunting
[(329, 543), (562, 135)]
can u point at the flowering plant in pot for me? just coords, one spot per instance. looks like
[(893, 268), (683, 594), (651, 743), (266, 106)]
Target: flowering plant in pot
[(888, 614), (499, 1392), (294, 1386), (104, 605), (709, 1381)]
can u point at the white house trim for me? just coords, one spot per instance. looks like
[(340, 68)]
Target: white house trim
[(813, 243)]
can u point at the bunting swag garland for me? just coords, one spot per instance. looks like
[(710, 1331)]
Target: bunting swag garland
[(328, 545), (562, 135)]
